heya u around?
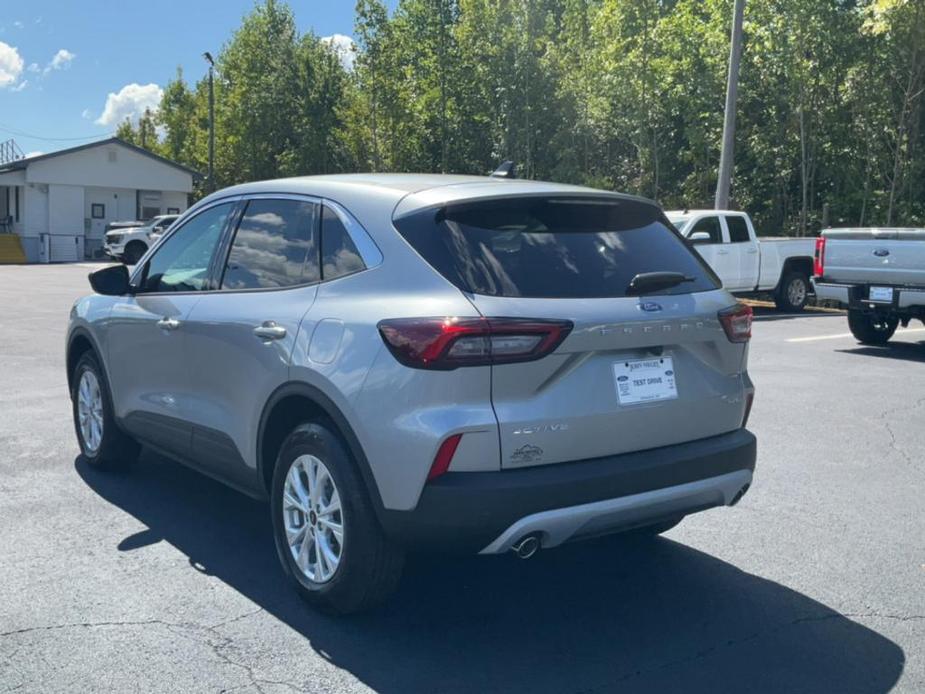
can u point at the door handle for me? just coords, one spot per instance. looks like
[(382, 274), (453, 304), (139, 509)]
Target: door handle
[(269, 330), (168, 323)]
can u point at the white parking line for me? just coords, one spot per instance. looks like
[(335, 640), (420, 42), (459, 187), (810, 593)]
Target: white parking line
[(842, 335)]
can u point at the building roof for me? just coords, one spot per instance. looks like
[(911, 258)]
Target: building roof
[(23, 163)]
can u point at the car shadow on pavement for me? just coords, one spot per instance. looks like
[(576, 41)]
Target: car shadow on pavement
[(902, 351), (598, 616)]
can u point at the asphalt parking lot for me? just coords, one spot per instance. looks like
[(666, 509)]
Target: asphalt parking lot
[(162, 580)]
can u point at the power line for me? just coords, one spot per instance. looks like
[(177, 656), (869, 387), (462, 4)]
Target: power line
[(20, 133)]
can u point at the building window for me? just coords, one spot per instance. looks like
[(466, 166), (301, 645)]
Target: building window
[(173, 210), (98, 210), (17, 203)]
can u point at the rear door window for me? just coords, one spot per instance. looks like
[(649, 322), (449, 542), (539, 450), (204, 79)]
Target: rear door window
[(275, 246), (552, 247), (738, 229)]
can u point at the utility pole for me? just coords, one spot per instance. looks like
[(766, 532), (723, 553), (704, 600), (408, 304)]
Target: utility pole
[(729, 122), (208, 57)]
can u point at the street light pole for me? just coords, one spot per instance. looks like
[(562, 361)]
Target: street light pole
[(208, 57), (729, 122)]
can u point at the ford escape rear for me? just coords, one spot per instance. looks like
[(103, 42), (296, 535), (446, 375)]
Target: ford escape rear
[(402, 362)]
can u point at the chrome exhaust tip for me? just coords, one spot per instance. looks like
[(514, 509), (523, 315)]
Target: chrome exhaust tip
[(526, 547)]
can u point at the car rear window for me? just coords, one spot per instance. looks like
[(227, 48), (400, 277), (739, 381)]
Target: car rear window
[(552, 247)]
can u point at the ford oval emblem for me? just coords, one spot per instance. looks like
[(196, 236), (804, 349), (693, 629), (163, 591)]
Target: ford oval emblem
[(650, 306), (881, 252)]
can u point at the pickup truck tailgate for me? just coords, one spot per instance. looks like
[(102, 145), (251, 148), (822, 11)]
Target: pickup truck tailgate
[(882, 256)]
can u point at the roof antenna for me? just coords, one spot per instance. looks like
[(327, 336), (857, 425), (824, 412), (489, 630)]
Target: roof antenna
[(506, 170)]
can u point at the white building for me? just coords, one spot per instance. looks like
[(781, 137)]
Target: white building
[(59, 203)]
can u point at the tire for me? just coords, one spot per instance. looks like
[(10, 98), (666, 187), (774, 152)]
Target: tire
[(107, 447), (133, 252), (368, 566), (792, 293), (870, 329)]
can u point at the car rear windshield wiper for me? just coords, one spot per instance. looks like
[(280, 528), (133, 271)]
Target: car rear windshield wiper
[(654, 281)]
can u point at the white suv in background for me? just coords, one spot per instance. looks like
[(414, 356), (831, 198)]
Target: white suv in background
[(128, 245)]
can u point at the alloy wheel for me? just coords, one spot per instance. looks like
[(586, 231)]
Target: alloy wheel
[(90, 412), (313, 519), (796, 292)]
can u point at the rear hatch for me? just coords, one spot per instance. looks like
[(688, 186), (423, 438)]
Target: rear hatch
[(635, 372), (879, 256)]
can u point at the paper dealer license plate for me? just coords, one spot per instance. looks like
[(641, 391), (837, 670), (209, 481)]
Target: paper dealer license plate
[(645, 380)]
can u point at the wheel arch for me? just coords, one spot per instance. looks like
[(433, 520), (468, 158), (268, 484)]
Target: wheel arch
[(292, 404), (79, 343), (138, 242), (798, 264)]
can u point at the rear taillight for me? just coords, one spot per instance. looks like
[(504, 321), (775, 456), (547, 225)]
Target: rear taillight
[(819, 257), (444, 457), (448, 343), (737, 322)]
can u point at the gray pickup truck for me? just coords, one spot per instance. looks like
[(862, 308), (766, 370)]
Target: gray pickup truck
[(879, 274)]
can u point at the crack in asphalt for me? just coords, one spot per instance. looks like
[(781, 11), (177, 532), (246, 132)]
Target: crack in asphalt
[(893, 440), (219, 649), (701, 654), (213, 639)]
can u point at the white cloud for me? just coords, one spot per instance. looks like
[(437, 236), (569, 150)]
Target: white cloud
[(36, 153), (60, 61), (130, 102), (86, 114), (34, 67), (343, 47), (19, 87), (10, 64), (18, 24)]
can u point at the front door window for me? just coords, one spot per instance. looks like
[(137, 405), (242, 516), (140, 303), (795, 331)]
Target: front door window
[(181, 263)]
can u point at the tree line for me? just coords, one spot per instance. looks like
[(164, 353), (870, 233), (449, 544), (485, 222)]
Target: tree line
[(624, 95)]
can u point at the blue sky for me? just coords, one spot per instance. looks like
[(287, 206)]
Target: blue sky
[(60, 60)]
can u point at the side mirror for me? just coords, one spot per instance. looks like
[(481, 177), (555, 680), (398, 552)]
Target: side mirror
[(699, 237), (111, 281)]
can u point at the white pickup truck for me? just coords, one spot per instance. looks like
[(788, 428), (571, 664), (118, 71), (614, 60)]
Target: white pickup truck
[(879, 274), (727, 241)]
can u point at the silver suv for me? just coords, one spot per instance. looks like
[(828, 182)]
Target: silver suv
[(416, 361)]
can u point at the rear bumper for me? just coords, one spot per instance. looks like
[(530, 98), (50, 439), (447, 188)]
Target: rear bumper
[(489, 511), (856, 295), (831, 292)]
